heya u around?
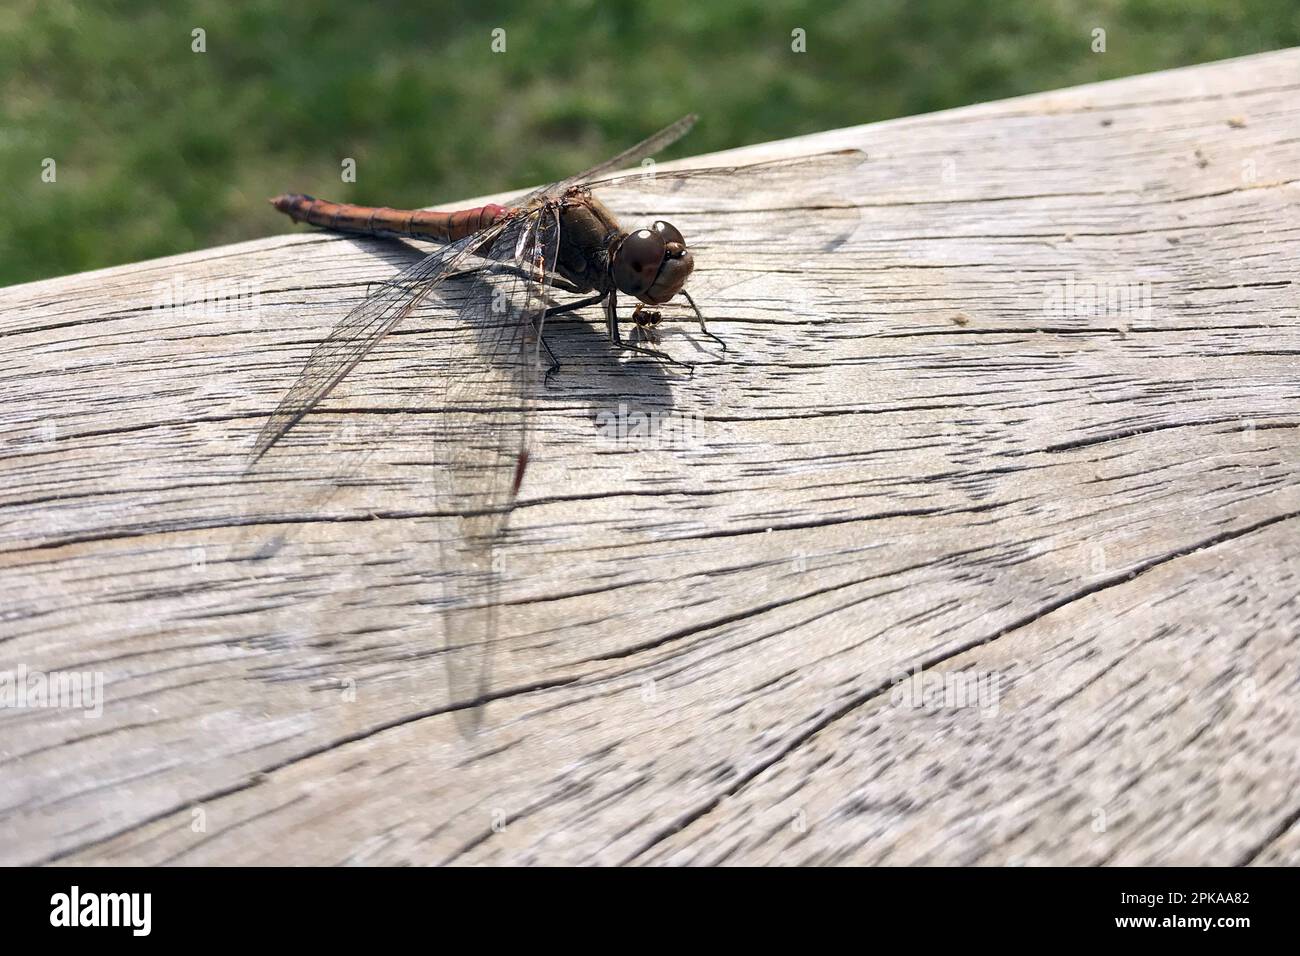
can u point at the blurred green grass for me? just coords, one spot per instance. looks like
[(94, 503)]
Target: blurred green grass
[(161, 150)]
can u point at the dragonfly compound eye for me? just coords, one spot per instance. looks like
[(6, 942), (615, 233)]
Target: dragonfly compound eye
[(637, 260), (669, 232)]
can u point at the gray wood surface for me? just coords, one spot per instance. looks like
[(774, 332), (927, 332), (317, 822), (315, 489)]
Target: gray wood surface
[(919, 454)]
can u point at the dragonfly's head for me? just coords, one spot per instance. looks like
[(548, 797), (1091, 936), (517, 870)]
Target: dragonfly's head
[(652, 264)]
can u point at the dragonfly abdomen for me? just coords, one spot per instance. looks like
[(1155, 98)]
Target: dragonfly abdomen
[(382, 221)]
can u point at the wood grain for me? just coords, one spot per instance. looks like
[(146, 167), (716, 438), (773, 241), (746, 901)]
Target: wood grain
[(919, 466)]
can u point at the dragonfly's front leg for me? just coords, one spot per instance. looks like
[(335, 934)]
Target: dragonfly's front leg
[(700, 315), (611, 320), (647, 319)]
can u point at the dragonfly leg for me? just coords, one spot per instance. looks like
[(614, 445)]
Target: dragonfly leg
[(564, 285), (555, 363), (611, 319), (555, 282), (559, 310), (700, 315), (573, 306)]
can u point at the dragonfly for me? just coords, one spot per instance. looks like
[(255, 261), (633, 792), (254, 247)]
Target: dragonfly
[(557, 238)]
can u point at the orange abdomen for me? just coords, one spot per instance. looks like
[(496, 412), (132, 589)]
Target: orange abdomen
[(382, 221)]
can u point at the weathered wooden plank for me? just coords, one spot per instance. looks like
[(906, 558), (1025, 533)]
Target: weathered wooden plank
[(917, 455)]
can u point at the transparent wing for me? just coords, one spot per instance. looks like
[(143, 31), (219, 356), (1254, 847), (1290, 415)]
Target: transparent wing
[(361, 329), (749, 226), (494, 371), (629, 157), (439, 440), (736, 184)]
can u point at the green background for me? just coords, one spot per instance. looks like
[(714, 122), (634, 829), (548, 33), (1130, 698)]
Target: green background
[(162, 150)]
